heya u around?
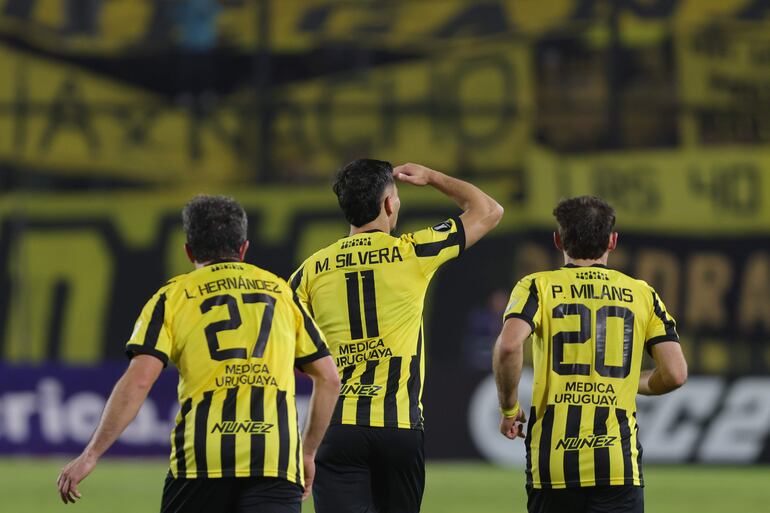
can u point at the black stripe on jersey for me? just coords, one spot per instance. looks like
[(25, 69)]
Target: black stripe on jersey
[(283, 433), (228, 439), (657, 340), (530, 307), (528, 443), (297, 278), (625, 444), (156, 322), (572, 458), (152, 334), (301, 362), (310, 327), (364, 403), (667, 322), (544, 458), (257, 413), (413, 385), (638, 450), (135, 349), (601, 454), (391, 391), (181, 464), (347, 372), (201, 433), (460, 232), (430, 249), (354, 306), (370, 304)]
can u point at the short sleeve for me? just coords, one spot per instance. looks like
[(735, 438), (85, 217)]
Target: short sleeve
[(661, 326), (311, 344), (151, 334), (438, 244), (524, 303), (298, 283)]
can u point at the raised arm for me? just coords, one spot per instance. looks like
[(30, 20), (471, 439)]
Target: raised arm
[(507, 361), (326, 389), (670, 370), (125, 400), (480, 214)]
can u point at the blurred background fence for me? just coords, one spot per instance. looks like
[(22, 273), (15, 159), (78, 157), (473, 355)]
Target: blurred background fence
[(114, 112)]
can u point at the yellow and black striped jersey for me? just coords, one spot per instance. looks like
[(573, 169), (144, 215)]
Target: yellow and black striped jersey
[(590, 326), (235, 332), (366, 292)]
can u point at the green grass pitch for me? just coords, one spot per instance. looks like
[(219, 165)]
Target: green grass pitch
[(118, 486)]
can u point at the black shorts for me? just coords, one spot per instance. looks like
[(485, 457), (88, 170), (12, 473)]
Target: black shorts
[(592, 499), (231, 495), (369, 469)]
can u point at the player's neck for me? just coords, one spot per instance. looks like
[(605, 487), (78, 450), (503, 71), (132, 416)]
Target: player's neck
[(380, 224), (584, 262)]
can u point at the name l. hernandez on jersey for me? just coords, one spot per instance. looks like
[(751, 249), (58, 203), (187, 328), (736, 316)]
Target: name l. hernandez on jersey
[(376, 335), (590, 326), (235, 332)]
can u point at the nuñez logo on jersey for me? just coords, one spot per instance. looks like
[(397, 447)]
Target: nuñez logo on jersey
[(590, 442), (253, 427), (361, 390)]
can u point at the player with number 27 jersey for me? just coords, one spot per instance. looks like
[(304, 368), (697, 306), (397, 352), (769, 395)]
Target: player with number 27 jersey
[(238, 415), (376, 335), (590, 326)]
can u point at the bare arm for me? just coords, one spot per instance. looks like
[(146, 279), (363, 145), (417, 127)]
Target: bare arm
[(122, 406), (507, 361), (480, 214), (326, 389), (670, 370)]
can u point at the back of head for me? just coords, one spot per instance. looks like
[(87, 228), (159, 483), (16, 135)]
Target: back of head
[(360, 187), (215, 227), (585, 226)]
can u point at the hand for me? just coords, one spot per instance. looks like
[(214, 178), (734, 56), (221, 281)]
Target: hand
[(414, 174), (513, 427), (309, 464), (72, 474)]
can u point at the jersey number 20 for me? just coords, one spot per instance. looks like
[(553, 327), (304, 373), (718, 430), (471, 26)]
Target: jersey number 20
[(600, 340)]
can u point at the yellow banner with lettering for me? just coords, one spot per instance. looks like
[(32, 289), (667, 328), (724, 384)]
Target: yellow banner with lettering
[(78, 267), (65, 120)]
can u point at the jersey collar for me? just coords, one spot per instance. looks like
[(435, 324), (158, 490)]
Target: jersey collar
[(573, 266)]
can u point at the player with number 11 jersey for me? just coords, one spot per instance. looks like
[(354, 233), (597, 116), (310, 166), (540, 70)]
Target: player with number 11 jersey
[(366, 292)]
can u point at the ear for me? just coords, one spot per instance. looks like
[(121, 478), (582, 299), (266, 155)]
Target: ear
[(388, 204), (189, 253), (242, 250), (613, 241), (557, 241)]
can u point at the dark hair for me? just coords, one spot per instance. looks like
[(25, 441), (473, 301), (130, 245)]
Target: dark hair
[(215, 227), (359, 187), (585, 225)]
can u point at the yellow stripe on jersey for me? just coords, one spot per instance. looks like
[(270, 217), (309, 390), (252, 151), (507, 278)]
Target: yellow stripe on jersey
[(235, 332), (366, 293), (590, 326)]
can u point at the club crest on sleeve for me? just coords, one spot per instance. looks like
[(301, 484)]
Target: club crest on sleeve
[(443, 227)]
